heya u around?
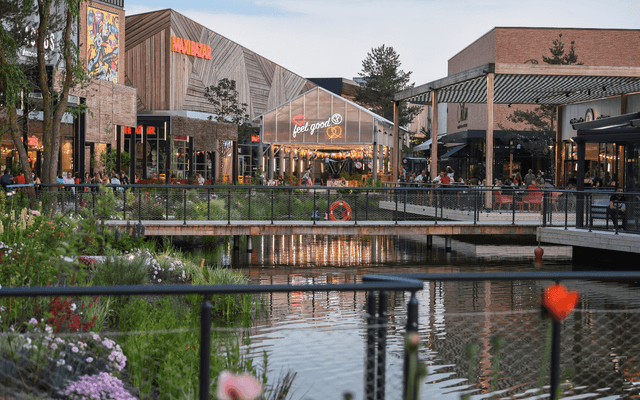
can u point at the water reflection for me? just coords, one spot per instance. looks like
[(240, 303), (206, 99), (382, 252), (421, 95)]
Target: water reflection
[(479, 338)]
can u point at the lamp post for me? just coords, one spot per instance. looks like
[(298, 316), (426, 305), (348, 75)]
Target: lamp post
[(511, 159)]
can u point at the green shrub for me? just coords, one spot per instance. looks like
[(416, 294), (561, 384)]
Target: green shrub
[(118, 269)]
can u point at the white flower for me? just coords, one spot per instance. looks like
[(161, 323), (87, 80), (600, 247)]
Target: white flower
[(89, 359), (74, 349)]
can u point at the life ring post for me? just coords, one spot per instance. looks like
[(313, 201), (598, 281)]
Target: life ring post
[(345, 216)]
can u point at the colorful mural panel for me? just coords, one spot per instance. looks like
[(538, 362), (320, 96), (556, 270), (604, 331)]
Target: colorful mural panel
[(103, 41)]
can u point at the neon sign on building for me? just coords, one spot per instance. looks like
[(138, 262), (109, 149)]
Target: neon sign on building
[(302, 125), (185, 46)]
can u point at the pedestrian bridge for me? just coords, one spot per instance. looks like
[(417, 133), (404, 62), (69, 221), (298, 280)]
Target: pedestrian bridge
[(234, 227), (573, 218)]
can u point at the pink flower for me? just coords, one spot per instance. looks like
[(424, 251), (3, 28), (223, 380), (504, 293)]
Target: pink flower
[(237, 387), (35, 212)]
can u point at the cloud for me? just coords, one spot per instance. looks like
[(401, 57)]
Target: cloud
[(330, 38)]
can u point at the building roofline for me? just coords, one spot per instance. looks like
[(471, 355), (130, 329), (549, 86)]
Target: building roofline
[(495, 28), (224, 37)]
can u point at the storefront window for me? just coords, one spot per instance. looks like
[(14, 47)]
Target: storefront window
[(67, 154), (180, 160), (150, 150)]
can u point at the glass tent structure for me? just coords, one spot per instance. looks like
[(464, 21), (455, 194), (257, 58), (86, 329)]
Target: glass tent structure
[(320, 124)]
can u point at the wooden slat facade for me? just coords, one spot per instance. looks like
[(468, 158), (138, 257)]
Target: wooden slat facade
[(173, 81)]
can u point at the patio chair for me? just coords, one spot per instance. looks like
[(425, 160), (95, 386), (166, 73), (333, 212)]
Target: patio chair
[(554, 200), (501, 199), (534, 198)]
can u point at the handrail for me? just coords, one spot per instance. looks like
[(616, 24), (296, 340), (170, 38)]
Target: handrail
[(510, 276)]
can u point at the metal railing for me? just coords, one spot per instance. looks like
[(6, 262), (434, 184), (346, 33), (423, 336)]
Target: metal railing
[(378, 326), (546, 206)]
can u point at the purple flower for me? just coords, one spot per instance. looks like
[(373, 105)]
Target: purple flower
[(98, 386)]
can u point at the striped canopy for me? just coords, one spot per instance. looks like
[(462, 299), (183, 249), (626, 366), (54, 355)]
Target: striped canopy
[(529, 84)]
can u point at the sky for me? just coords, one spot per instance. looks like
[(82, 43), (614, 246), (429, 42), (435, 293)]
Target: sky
[(330, 38)]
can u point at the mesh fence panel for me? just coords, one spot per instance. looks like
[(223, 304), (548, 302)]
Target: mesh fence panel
[(322, 339), (267, 203)]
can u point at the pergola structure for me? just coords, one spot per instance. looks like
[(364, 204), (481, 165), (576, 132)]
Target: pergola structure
[(506, 83)]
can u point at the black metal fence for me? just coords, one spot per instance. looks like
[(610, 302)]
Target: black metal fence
[(545, 206), (527, 342)]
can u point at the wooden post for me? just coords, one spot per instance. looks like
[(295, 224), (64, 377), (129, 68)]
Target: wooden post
[(489, 140), (374, 156), (558, 152), (395, 144), (434, 134), (270, 162)]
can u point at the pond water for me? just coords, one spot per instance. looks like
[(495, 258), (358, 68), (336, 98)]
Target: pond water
[(479, 339)]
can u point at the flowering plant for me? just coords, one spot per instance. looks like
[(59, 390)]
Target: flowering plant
[(101, 386), (40, 357), (65, 315), (237, 387)]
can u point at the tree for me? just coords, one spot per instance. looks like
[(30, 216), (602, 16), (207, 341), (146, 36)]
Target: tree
[(558, 56), (14, 32), (54, 27), (228, 109), (382, 78)]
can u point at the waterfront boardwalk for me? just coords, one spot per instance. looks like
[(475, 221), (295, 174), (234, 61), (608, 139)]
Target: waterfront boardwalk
[(556, 235), (557, 217), (596, 239)]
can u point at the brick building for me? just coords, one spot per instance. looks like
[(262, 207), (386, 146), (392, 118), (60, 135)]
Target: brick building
[(110, 104), (594, 47), (607, 47)]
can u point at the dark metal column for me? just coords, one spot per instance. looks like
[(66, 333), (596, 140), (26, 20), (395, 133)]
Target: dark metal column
[(132, 155), (580, 184), (118, 149), (82, 140), (234, 162)]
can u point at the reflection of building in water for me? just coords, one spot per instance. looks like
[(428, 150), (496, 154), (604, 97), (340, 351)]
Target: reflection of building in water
[(600, 347)]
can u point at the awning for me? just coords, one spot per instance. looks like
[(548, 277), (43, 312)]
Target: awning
[(452, 151), (618, 129), (529, 84), (427, 144)]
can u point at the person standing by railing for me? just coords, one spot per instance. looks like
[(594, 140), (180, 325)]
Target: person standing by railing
[(618, 208), (529, 178)]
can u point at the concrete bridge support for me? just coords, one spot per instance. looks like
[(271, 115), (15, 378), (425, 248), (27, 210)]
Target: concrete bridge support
[(236, 242), (249, 243), (429, 242), (447, 244)]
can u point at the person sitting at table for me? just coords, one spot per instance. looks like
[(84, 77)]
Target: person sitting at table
[(19, 179), (518, 180), (445, 179), (450, 173), (618, 208)]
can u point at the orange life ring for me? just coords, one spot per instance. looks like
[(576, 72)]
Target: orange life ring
[(340, 203)]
